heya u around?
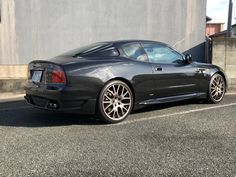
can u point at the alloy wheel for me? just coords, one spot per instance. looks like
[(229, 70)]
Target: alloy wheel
[(217, 88), (117, 101)]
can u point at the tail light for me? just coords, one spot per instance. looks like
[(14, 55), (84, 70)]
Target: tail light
[(56, 75)]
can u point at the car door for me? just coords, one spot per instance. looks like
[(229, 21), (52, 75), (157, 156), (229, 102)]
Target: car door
[(142, 74), (172, 76)]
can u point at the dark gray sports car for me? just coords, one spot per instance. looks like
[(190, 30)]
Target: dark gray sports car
[(110, 79)]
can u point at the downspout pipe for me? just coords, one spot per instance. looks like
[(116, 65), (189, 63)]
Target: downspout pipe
[(229, 18)]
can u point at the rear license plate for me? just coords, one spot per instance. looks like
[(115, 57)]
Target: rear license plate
[(37, 76)]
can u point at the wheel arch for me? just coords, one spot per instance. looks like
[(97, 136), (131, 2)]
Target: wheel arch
[(98, 101), (126, 81)]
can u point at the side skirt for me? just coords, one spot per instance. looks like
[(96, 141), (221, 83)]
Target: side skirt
[(173, 98)]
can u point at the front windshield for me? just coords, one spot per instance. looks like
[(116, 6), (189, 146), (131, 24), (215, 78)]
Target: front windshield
[(85, 49)]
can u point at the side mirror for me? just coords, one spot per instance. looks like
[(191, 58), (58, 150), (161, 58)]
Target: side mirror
[(188, 58)]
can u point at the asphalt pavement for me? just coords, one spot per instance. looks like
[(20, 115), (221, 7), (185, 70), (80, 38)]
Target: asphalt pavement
[(188, 138)]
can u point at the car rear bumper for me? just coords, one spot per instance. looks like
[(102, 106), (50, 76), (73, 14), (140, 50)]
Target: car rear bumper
[(59, 98)]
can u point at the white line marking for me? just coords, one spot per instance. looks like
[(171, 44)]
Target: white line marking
[(16, 108), (177, 113)]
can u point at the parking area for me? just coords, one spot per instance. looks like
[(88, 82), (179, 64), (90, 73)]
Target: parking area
[(188, 138)]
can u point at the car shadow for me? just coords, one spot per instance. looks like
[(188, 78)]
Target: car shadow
[(20, 114)]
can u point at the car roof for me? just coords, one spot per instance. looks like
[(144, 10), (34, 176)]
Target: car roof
[(134, 40)]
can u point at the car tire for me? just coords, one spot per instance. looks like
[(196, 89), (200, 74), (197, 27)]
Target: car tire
[(115, 102), (217, 88)]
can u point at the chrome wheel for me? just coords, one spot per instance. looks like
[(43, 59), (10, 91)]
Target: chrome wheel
[(217, 88), (117, 101)]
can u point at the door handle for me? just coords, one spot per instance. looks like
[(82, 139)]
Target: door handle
[(158, 68), (200, 70)]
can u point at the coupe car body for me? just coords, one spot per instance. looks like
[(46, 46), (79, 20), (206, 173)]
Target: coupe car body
[(110, 79)]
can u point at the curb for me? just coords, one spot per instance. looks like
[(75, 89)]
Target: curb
[(231, 93)]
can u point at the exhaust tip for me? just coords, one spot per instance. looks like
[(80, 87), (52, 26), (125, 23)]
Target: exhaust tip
[(53, 105)]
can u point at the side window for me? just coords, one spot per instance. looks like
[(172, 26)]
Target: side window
[(161, 54), (135, 51)]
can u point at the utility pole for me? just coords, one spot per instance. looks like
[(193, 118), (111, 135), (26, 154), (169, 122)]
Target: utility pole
[(229, 18)]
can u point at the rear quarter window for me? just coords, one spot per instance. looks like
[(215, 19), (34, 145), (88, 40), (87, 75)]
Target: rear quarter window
[(111, 52), (135, 51)]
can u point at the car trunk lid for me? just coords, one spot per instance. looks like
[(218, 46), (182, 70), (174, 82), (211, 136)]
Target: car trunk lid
[(40, 71)]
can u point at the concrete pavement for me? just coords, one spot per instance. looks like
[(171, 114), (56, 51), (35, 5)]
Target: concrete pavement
[(178, 139)]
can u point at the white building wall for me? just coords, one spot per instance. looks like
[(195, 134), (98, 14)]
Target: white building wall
[(41, 29)]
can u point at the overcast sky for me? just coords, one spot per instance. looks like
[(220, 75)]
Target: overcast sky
[(218, 11)]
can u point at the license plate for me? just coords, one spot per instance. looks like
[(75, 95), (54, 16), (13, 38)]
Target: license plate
[(37, 76)]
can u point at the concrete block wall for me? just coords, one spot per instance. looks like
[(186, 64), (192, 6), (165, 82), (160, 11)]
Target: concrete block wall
[(12, 85), (12, 78), (13, 71), (224, 55)]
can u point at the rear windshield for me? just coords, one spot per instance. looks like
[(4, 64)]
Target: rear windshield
[(86, 49)]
